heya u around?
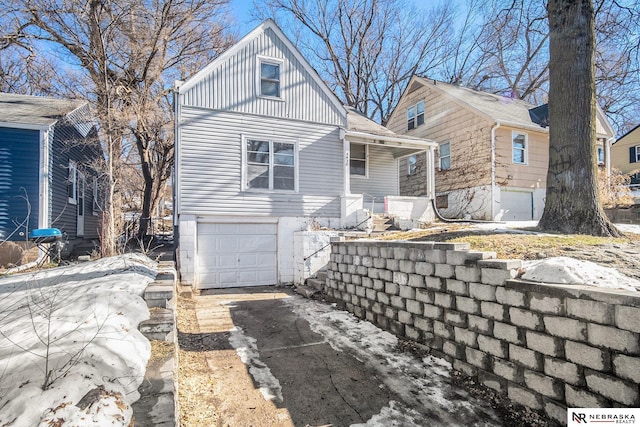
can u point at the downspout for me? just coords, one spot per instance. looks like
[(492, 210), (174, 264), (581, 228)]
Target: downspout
[(493, 168)]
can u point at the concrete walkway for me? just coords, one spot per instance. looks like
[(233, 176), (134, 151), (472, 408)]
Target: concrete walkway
[(271, 369)]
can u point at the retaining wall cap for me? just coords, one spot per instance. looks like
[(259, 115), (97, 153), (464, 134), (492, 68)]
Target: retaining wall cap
[(607, 295)]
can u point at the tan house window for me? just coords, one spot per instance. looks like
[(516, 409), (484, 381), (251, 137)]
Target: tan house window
[(358, 159), (412, 165), (444, 152), (634, 154), (601, 155), (519, 148), (415, 115)]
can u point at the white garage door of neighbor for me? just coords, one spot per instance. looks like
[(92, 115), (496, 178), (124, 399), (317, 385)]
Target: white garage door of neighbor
[(516, 205), (234, 255)]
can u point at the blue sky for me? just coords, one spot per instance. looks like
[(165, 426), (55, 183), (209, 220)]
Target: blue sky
[(241, 9)]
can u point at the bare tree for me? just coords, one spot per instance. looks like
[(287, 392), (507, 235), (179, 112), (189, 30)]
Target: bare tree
[(572, 197), (130, 52), (367, 50)]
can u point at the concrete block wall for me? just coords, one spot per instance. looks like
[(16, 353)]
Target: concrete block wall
[(547, 347)]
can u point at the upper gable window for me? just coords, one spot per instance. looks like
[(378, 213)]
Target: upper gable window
[(415, 115), (270, 73), (519, 148)]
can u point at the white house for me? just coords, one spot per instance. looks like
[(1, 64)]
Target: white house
[(264, 149)]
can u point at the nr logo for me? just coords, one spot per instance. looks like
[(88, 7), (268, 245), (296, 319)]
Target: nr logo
[(579, 418)]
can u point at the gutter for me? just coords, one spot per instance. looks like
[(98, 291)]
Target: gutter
[(392, 141)]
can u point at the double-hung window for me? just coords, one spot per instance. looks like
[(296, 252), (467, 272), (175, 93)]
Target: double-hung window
[(415, 115), (270, 165), (412, 164), (270, 73), (519, 148), (634, 154), (72, 183), (358, 159), (600, 152), (444, 152)]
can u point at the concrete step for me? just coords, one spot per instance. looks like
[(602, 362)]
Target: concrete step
[(159, 326), (322, 275), (316, 284), (305, 291), (382, 223), (159, 293)]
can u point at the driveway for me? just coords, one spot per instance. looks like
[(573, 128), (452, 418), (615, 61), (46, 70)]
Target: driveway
[(276, 359)]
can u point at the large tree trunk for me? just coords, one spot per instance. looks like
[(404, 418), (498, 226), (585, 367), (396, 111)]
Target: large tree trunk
[(572, 204)]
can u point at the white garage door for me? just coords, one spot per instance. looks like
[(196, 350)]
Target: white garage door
[(233, 255), (516, 205)]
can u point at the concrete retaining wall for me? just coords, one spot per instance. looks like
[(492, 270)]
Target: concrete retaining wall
[(630, 215), (547, 347)]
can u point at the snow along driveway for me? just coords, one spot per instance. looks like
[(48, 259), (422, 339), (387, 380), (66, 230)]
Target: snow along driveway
[(70, 350)]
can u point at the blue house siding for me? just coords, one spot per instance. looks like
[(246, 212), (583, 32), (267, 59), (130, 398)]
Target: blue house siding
[(67, 145), (19, 170)]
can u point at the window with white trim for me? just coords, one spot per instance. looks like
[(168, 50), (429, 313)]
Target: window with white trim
[(600, 153), (270, 77), (96, 207), (412, 164), (358, 159), (634, 154), (519, 148), (72, 183), (415, 115), (270, 165), (444, 153)]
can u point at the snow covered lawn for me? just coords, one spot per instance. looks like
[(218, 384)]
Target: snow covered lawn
[(70, 350)]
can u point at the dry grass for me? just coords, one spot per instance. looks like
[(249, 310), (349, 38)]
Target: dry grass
[(195, 385), (528, 245)]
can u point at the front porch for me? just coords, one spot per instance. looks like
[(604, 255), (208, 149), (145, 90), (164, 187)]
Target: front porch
[(371, 155)]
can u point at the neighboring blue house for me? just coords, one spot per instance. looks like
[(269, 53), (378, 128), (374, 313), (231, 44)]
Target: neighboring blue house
[(48, 149)]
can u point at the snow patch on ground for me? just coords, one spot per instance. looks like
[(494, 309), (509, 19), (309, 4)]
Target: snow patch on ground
[(247, 350), (74, 330), (394, 415), (422, 384), (570, 271)]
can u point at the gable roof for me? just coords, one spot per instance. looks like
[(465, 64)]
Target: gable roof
[(362, 127), (633, 129), (35, 110), (509, 111), (264, 26)]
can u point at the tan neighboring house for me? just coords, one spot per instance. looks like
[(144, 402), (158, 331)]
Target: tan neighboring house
[(493, 151), (625, 156)]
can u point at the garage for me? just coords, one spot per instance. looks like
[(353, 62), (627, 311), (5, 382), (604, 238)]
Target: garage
[(236, 255), (516, 205)]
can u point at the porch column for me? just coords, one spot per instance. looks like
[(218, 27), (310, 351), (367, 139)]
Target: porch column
[(346, 166), (431, 173)]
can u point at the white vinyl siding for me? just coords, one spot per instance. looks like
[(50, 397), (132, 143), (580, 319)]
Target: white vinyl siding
[(382, 179), (210, 166), (235, 86)]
